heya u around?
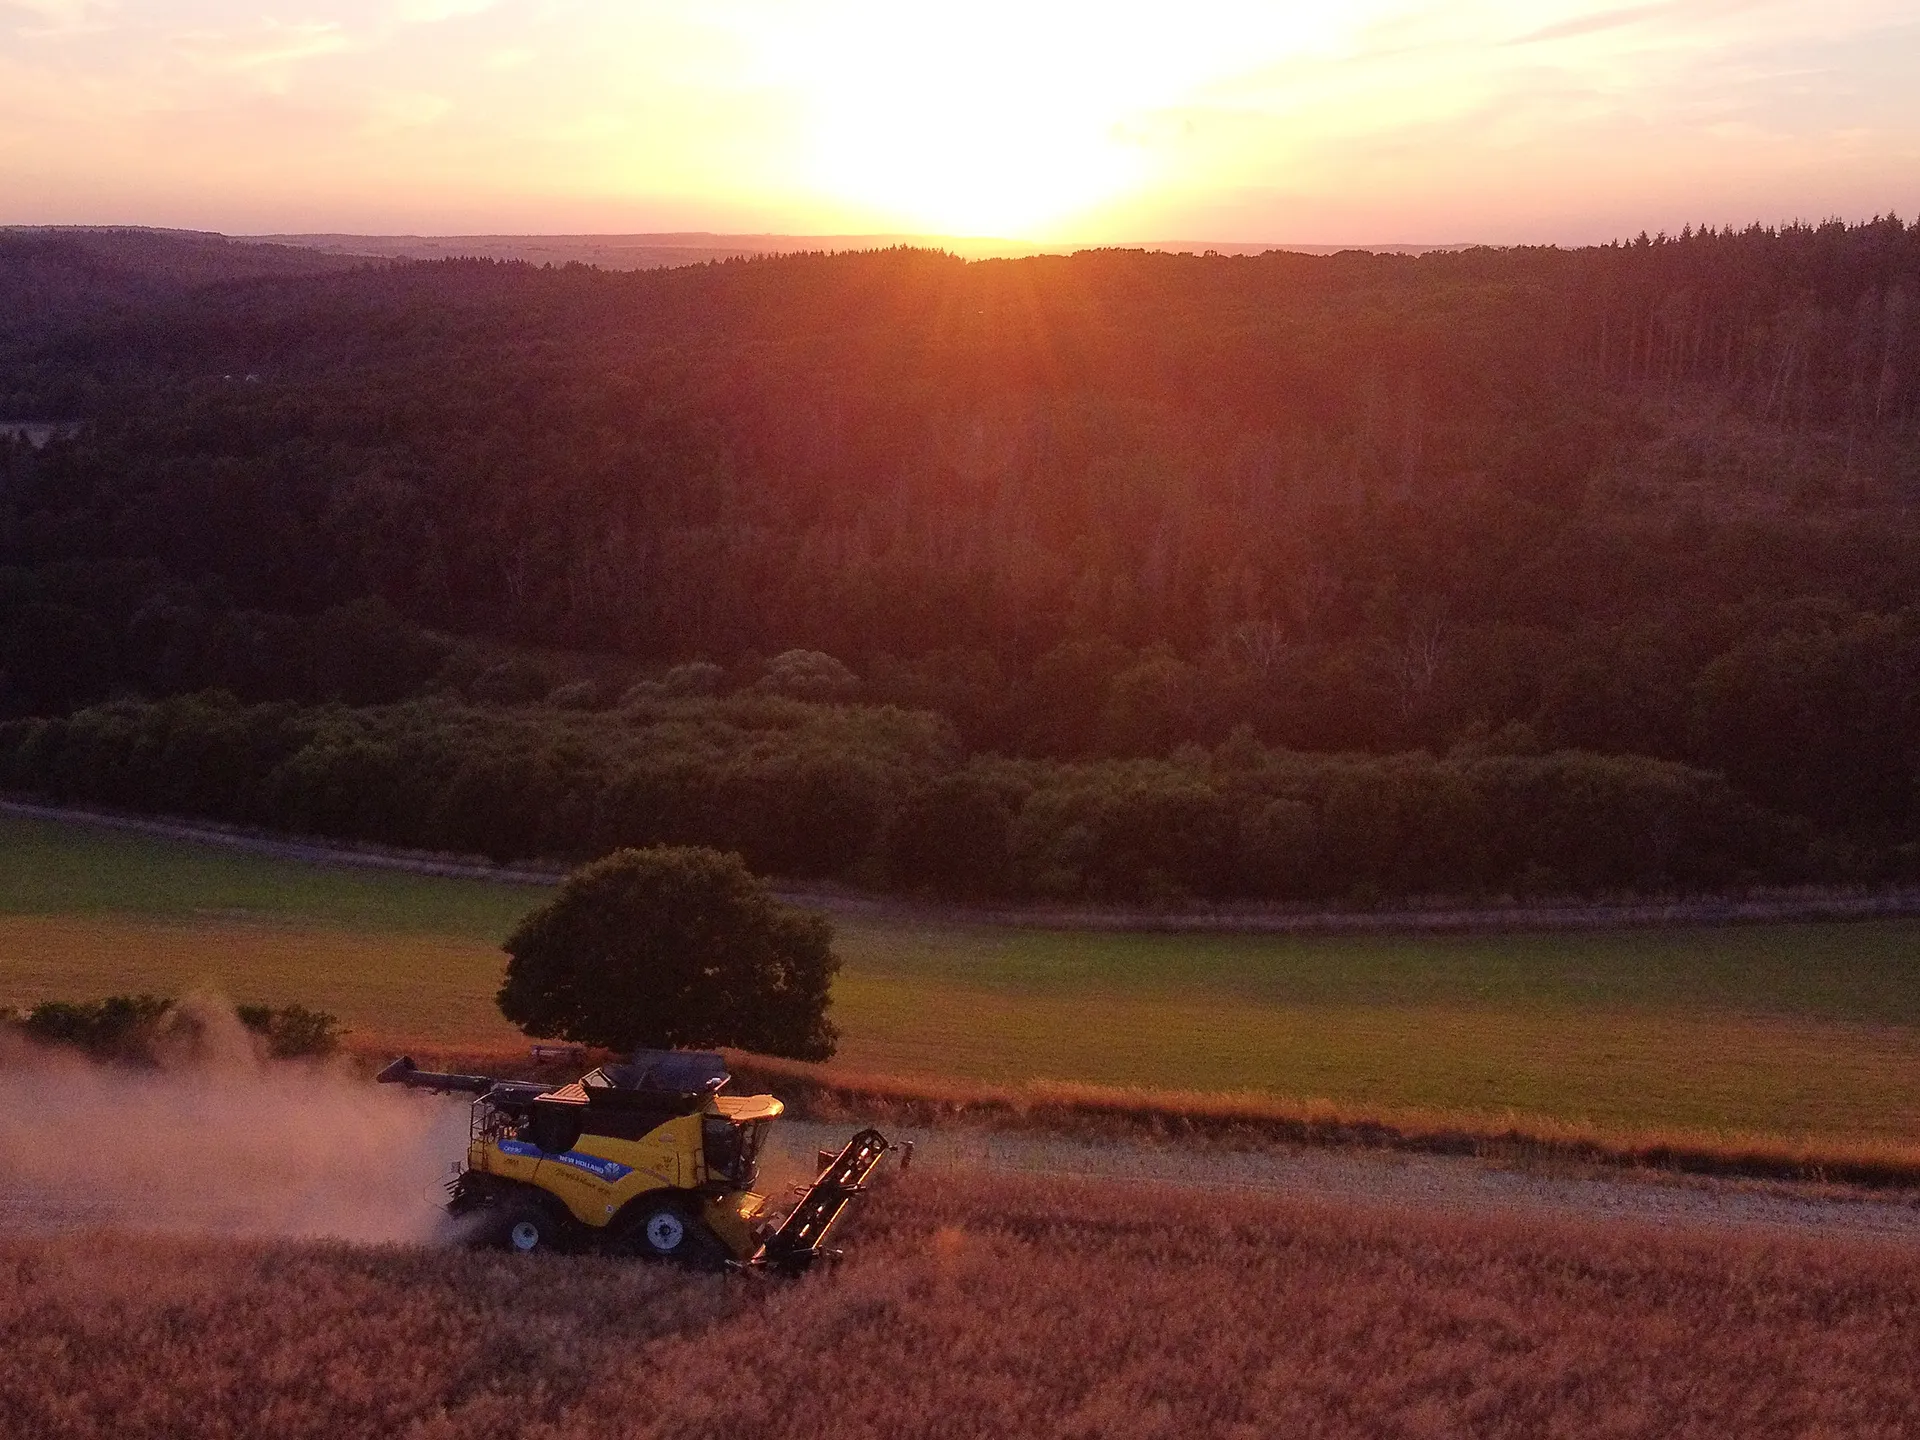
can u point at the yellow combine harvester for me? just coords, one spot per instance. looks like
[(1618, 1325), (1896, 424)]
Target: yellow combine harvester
[(644, 1159)]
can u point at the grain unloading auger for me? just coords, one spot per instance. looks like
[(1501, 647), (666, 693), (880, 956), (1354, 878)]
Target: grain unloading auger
[(646, 1159)]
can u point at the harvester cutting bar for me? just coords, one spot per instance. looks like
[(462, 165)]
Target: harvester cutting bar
[(798, 1241)]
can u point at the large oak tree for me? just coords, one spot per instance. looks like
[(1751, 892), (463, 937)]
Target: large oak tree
[(672, 946)]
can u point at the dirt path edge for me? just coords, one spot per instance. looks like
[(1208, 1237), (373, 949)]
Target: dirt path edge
[(1440, 917)]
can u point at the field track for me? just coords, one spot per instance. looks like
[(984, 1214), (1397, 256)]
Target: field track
[(377, 1179), (1369, 1180), (1808, 904)]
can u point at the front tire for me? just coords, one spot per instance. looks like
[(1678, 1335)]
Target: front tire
[(523, 1228), (664, 1234), (665, 1231)]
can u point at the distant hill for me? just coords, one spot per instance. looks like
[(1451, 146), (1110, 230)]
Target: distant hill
[(48, 269), (60, 267), (632, 252), (664, 251)]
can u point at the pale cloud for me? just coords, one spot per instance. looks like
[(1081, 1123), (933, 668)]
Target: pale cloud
[(270, 44), (1624, 16), (47, 19), (397, 111), (53, 12), (433, 12)]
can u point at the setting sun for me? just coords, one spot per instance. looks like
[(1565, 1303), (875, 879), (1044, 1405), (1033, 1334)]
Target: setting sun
[(915, 154), (1012, 119), (1005, 121), (1066, 122)]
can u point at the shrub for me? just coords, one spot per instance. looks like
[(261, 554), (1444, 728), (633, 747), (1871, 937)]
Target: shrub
[(808, 675), (127, 1027), (118, 1027), (293, 1031), (696, 677), (576, 695), (857, 792), (951, 839), (516, 681)]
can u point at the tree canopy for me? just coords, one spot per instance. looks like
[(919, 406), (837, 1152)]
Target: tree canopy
[(901, 568), (672, 946)]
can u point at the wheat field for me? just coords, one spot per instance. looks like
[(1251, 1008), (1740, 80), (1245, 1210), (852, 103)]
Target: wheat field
[(974, 1309)]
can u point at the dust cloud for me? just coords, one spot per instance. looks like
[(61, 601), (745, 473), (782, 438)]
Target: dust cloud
[(214, 1140)]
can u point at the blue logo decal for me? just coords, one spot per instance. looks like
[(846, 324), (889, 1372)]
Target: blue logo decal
[(607, 1170)]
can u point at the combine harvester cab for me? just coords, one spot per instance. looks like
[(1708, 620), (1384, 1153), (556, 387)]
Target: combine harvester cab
[(647, 1158)]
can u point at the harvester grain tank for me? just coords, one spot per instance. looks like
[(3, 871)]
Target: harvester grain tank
[(647, 1158)]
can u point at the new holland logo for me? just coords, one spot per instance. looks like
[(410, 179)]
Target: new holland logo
[(607, 1170)]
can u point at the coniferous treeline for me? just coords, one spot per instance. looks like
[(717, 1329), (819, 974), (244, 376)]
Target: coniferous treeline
[(1650, 500)]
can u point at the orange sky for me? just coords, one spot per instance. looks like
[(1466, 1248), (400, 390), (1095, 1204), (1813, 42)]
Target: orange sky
[(1378, 120)]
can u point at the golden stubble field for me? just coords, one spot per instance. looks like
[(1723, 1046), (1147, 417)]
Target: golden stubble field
[(973, 1307)]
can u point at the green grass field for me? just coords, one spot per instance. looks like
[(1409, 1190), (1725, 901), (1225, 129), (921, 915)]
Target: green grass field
[(1789, 1030)]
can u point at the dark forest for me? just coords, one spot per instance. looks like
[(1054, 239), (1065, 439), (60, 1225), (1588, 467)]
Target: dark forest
[(1125, 575)]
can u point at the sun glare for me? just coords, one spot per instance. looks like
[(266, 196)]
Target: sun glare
[(1003, 119), (946, 170)]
